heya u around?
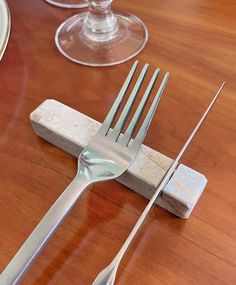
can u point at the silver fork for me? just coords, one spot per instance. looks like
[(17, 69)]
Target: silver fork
[(106, 157)]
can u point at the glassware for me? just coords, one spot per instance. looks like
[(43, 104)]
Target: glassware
[(101, 37), (68, 3)]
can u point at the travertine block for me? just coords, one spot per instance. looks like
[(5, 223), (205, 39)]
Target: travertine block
[(71, 131)]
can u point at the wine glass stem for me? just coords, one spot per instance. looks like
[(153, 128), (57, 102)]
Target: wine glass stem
[(100, 24)]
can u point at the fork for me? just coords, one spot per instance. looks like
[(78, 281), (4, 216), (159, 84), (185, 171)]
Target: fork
[(106, 157)]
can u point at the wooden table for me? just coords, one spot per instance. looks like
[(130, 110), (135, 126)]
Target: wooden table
[(196, 42)]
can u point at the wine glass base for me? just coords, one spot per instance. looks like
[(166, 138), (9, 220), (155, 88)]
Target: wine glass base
[(68, 3), (129, 40)]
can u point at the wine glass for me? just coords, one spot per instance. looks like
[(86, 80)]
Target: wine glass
[(68, 3), (101, 37)]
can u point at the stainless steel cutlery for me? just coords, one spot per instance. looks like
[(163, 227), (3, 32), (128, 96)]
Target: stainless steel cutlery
[(106, 157), (107, 275)]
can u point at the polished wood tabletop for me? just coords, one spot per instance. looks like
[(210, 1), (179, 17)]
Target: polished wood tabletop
[(196, 42)]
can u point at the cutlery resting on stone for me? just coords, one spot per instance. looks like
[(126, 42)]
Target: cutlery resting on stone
[(106, 157)]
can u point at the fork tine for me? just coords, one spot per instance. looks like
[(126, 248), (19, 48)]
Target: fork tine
[(128, 133), (118, 127), (110, 117), (143, 129)]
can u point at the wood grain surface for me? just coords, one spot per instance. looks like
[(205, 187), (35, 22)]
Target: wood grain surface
[(196, 42)]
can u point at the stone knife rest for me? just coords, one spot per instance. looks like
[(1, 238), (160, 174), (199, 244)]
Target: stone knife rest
[(71, 131)]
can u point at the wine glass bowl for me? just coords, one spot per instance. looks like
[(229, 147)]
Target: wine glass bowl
[(101, 37)]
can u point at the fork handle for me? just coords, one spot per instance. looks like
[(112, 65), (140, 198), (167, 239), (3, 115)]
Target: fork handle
[(20, 263)]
